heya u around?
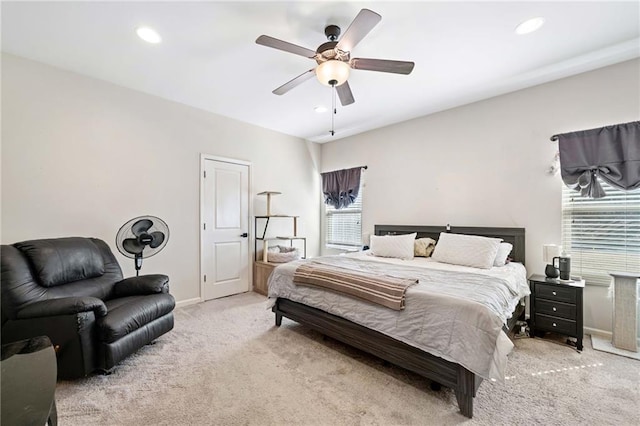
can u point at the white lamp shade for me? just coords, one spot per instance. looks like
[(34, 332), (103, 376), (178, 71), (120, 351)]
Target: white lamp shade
[(549, 251), (332, 70)]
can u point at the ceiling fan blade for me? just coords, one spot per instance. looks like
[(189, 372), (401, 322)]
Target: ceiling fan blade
[(344, 93), (359, 28), (382, 65), (285, 46), (295, 82)]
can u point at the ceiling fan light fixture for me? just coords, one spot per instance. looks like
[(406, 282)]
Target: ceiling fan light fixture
[(530, 25), (333, 72)]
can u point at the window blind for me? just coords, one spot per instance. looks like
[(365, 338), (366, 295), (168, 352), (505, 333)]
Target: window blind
[(601, 235), (344, 226)]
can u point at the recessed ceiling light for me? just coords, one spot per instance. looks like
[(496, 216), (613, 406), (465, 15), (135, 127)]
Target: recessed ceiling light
[(320, 109), (149, 35), (530, 25)]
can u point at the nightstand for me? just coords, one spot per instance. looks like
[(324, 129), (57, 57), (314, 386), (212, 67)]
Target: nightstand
[(556, 306), (261, 273)]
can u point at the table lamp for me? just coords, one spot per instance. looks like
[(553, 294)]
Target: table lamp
[(549, 251)]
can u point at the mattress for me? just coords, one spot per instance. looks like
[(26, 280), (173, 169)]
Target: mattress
[(453, 312)]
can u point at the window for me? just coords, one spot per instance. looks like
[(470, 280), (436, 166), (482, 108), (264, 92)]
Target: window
[(344, 226), (601, 235)]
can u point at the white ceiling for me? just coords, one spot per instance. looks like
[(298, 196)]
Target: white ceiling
[(464, 52)]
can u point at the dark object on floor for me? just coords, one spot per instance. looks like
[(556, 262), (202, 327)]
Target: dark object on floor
[(29, 383), (521, 330), (71, 290)]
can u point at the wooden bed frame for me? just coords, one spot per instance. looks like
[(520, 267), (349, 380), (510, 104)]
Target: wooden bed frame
[(463, 382)]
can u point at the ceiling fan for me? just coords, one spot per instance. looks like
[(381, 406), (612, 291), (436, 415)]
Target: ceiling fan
[(334, 57)]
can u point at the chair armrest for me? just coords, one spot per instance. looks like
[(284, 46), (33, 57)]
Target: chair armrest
[(63, 306), (144, 284)]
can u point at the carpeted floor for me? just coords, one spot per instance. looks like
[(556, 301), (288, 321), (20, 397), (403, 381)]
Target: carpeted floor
[(225, 363), (604, 344)]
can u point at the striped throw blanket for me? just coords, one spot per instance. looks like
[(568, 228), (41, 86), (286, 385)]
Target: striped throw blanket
[(383, 290)]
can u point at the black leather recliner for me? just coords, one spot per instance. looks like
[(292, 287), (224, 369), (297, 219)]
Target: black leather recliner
[(71, 290)]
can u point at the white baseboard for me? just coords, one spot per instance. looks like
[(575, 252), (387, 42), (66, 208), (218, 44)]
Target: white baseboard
[(188, 302), (597, 332)]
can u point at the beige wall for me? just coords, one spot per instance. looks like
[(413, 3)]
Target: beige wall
[(81, 157), (484, 164)]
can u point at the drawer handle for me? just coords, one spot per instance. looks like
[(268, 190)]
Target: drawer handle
[(554, 309), (554, 293), (554, 324)]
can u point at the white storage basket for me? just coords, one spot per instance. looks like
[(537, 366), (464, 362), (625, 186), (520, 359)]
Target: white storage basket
[(282, 254)]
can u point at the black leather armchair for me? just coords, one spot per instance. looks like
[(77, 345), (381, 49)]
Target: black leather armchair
[(71, 290)]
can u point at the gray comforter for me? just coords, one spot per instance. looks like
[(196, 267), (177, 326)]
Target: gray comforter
[(453, 312)]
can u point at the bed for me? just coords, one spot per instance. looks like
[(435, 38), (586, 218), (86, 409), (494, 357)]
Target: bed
[(456, 369)]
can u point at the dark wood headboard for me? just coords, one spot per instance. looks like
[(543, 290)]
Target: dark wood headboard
[(515, 236)]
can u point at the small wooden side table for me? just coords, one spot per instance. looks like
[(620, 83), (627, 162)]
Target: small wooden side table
[(261, 273)]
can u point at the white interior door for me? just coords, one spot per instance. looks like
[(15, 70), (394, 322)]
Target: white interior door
[(225, 214)]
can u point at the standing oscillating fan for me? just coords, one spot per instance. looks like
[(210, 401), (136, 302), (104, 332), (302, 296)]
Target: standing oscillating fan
[(141, 237)]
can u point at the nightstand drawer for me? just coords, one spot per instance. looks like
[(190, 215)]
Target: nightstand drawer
[(556, 309), (559, 325), (561, 294)]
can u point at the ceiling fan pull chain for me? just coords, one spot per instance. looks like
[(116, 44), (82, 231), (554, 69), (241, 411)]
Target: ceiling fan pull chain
[(333, 106)]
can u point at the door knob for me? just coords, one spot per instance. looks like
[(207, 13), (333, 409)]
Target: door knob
[(245, 235)]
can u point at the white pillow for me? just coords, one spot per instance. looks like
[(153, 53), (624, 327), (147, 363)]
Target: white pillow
[(466, 250), (503, 252), (400, 246)]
